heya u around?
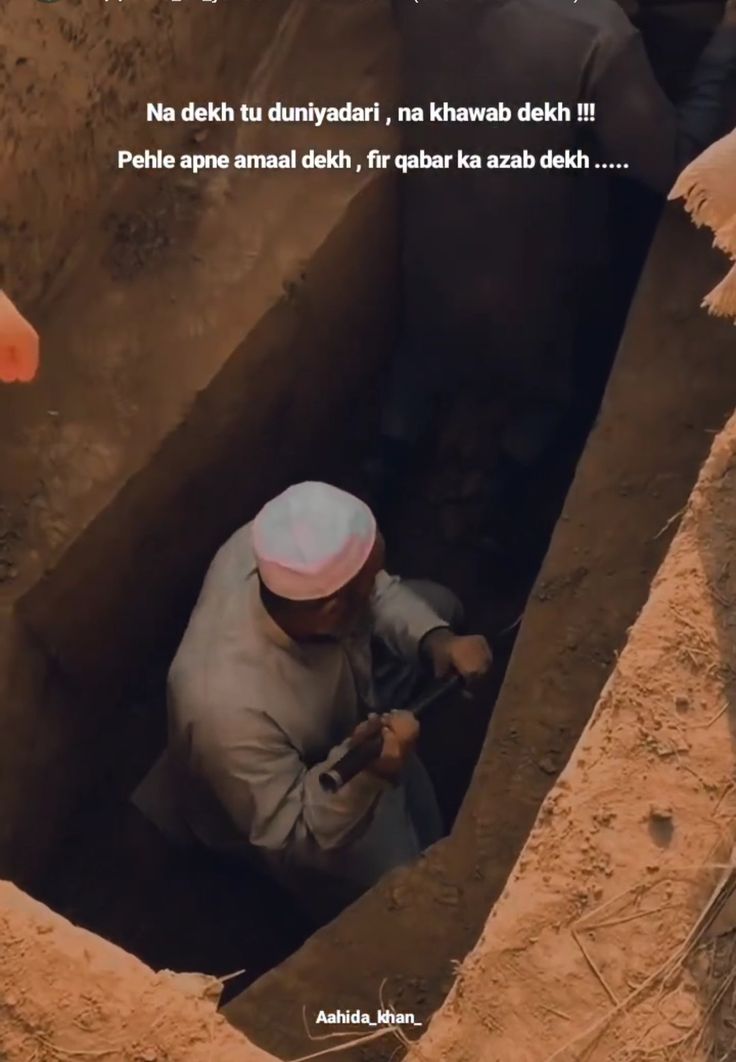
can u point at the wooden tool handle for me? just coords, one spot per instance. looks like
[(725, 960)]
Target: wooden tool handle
[(353, 762), (362, 755)]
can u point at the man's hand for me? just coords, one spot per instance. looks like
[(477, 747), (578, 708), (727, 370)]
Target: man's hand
[(729, 13), (469, 655), (400, 731)]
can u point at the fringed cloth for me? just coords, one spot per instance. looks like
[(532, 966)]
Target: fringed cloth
[(708, 188)]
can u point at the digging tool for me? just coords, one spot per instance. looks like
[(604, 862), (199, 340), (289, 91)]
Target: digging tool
[(363, 754)]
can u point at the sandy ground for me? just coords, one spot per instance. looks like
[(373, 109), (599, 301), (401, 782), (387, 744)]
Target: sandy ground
[(65, 994), (599, 948)]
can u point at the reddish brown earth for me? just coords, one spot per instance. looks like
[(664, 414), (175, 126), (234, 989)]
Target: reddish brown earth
[(66, 994), (594, 950)]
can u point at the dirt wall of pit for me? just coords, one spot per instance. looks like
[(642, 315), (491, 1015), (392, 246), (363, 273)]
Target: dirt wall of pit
[(207, 346), (599, 946), (75, 80), (65, 993)]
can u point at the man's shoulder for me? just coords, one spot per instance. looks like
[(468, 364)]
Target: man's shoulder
[(223, 605), (218, 669), (225, 709), (236, 551)]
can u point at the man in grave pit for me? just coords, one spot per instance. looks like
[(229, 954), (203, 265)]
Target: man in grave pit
[(299, 644)]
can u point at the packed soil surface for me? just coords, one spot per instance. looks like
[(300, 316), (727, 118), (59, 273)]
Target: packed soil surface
[(615, 938), (65, 994)]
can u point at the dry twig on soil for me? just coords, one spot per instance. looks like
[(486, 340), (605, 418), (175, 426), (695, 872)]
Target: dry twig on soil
[(64, 1052), (358, 1041), (607, 989), (720, 895), (670, 522)]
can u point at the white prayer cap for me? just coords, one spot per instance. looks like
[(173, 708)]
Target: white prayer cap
[(312, 540)]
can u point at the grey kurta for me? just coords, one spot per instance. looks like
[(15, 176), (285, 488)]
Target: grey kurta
[(254, 718)]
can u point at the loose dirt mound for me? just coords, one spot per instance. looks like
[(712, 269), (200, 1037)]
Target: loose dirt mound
[(65, 993), (599, 947)]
